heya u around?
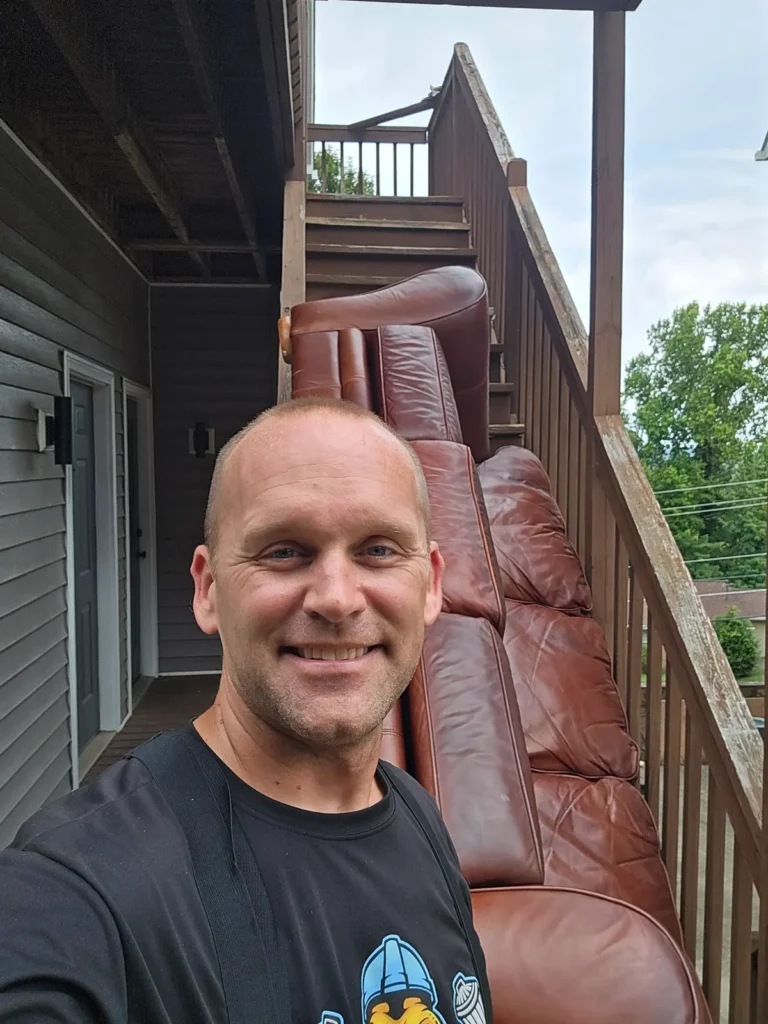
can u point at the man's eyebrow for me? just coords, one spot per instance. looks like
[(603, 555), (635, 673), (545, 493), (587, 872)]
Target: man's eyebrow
[(289, 527)]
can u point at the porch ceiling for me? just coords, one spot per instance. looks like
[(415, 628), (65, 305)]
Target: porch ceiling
[(171, 121)]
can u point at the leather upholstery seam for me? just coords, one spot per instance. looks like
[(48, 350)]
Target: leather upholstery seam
[(428, 712), (532, 819), (382, 382), (501, 609), (439, 380)]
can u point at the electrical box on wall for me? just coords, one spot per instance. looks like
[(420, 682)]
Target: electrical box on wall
[(54, 430), (202, 441)]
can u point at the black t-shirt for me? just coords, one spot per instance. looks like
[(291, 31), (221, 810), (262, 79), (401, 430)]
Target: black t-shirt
[(366, 917)]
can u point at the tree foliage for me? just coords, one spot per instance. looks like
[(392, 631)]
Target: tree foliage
[(738, 640), (697, 408), (333, 175)]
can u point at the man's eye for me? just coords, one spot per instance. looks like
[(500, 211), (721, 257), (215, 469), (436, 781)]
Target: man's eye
[(379, 550), (283, 554)]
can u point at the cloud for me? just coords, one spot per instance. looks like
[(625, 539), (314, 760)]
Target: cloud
[(696, 217)]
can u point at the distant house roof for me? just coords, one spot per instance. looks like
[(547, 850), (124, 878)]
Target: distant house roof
[(718, 596)]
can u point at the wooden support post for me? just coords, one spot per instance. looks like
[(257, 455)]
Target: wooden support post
[(293, 287), (604, 368)]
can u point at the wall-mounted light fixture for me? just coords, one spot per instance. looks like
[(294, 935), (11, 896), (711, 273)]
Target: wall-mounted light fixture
[(202, 441), (54, 430)]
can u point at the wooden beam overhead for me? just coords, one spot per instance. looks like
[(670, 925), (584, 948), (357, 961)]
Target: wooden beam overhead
[(189, 14), (96, 72), (542, 5), (272, 25), (428, 103)]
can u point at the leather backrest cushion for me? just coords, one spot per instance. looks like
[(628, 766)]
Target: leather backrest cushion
[(472, 585), (557, 956), (537, 561), (468, 751), (570, 708), (452, 300), (600, 835), (412, 384), (331, 364)]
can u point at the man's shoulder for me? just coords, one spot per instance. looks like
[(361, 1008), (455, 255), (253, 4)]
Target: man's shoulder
[(416, 794), (119, 817)]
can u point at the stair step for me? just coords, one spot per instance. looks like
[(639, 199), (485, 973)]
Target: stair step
[(403, 251), (392, 260), (497, 348), (431, 208), (353, 230), (497, 388), (501, 435), (506, 429), (327, 286)]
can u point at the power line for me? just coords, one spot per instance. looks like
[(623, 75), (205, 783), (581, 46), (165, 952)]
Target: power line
[(725, 503), (689, 510), (724, 558), (712, 487)]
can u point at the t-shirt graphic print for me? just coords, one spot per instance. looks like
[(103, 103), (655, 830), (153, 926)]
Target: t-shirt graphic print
[(396, 987)]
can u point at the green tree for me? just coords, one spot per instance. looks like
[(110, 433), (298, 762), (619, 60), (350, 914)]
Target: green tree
[(738, 640), (697, 408), (333, 175)]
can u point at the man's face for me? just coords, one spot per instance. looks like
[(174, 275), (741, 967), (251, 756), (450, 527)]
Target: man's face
[(323, 580)]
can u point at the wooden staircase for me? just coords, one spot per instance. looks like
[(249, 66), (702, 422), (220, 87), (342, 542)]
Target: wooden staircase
[(358, 243)]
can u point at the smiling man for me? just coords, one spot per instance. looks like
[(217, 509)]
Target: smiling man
[(263, 864)]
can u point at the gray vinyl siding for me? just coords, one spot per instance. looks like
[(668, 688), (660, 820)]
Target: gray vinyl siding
[(62, 286), (214, 359)]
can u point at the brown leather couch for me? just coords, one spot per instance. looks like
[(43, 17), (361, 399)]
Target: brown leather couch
[(512, 721)]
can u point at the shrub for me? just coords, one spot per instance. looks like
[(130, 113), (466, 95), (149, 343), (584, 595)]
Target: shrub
[(738, 640)]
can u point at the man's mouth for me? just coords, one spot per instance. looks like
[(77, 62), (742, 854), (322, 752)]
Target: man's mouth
[(330, 653)]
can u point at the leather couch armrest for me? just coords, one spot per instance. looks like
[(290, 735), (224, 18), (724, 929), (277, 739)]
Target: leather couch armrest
[(562, 955)]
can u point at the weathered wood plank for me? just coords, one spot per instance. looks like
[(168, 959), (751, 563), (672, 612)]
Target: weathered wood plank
[(294, 284)]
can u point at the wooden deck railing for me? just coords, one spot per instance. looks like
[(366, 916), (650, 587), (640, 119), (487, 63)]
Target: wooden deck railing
[(702, 755), (378, 161)]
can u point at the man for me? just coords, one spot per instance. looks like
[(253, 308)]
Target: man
[(330, 896)]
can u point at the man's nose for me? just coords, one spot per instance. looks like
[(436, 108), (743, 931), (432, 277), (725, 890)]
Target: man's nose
[(334, 592)]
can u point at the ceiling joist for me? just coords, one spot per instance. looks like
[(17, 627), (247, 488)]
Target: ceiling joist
[(96, 72), (189, 14)]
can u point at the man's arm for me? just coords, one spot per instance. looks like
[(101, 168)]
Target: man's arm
[(61, 959)]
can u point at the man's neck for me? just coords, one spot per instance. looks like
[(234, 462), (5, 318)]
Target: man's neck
[(280, 767)]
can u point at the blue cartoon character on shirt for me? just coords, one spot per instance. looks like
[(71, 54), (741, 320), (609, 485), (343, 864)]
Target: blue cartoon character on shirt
[(397, 988)]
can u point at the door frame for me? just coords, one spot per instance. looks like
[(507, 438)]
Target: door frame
[(148, 587), (108, 620)]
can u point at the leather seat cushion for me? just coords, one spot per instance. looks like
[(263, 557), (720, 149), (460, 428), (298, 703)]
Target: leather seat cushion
[(570, 707), (472, 585), (537, 561), (468, 751), (558, 957), (600, 836)]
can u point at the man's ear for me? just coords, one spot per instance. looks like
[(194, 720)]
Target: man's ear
[(204, 601), (434, 602)]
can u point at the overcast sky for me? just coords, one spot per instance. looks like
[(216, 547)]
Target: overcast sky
[(696, 220)]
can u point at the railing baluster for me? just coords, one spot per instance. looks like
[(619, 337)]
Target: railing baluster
[(554, 412), (653, 719), (522, 384), (342, 183), (620, 613), (378, 169), (635, 657), (545, 412), (741, 942), (324, 164), (672, 749), (411, 192), (585, 481), (689, 886), (712, 975), (394, 165), (530, 413), (360, 167), (573, 473), (564, 416)]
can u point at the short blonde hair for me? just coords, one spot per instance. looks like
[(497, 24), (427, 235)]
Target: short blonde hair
[(288, 410)]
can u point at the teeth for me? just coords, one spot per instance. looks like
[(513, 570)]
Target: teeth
[(328, 654)]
